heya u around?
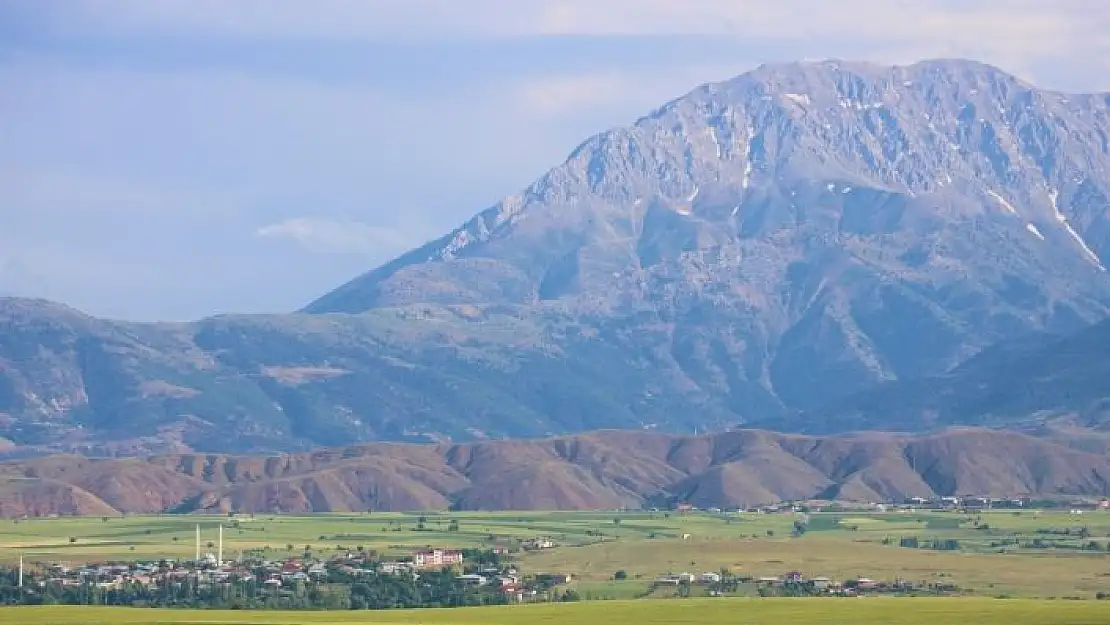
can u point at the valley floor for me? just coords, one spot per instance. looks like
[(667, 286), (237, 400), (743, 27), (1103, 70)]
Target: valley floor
[(614, 556)]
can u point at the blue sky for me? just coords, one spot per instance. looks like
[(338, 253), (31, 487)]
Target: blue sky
[(170, 159)]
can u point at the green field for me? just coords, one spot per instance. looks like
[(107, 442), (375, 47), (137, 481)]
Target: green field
[(173, 536), (654, 612), (993, 558)]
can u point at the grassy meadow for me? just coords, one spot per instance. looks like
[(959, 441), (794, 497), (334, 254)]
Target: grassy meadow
[(876, 611), (993, 558), (81, 539)]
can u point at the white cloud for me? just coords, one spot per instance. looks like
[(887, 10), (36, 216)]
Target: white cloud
[(340, 237)]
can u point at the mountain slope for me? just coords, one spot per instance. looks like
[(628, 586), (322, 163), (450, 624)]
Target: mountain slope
[(72, 383), (760, 246), (1041, 383), (602, 470)]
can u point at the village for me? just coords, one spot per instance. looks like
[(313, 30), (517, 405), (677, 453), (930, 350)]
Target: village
[(791, 584), (914, 504), (467, 577), (472, 576)]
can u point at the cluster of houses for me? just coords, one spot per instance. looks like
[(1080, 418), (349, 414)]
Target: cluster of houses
[(536, 544), (687, 578), (908, 504), (509, 582), (208, 570), (274, 573), (819, 584)]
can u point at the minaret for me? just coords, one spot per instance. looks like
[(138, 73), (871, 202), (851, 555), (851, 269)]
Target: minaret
[(198, 544), (220, 550), (21, 570)]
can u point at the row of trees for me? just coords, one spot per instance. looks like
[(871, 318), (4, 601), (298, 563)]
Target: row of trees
[(938, 544)]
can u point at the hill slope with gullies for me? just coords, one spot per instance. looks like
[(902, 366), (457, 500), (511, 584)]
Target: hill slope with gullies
[(757, 249), (602, 470)]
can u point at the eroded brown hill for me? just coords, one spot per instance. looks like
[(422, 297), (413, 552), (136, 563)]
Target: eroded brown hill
[(601, 470)]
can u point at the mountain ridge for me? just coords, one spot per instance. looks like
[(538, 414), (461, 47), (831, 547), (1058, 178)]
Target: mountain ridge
[(767, 80), (599, 470)]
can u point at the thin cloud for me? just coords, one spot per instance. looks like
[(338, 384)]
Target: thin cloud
[(336, 237), (624, 94), (1014, 34), (1052, 22)]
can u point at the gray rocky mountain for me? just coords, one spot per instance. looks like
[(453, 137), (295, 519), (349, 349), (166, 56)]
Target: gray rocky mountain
[(760, 246), (803, 229)]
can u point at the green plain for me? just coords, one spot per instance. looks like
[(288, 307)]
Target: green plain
[(871, 611), (993, 562)]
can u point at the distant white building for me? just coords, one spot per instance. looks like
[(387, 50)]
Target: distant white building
[(709, 578), (436, 558), (391, 568)]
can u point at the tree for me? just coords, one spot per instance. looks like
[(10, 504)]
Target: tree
[(620, 575), (453, 526), (616, 520)]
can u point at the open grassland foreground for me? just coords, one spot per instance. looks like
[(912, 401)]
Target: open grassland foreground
[(621, 555), (874, 611)]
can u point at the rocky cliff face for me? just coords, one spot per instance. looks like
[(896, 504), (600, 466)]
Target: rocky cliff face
[(757, 247)]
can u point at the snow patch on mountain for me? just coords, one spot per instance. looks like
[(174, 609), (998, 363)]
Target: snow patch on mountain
[(1054, 196), (1002, 202)]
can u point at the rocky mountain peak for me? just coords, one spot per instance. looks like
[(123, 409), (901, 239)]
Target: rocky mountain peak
[(764, 154), (804, 204)]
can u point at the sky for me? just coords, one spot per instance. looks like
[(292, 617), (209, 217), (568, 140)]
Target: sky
[(173, 159)]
